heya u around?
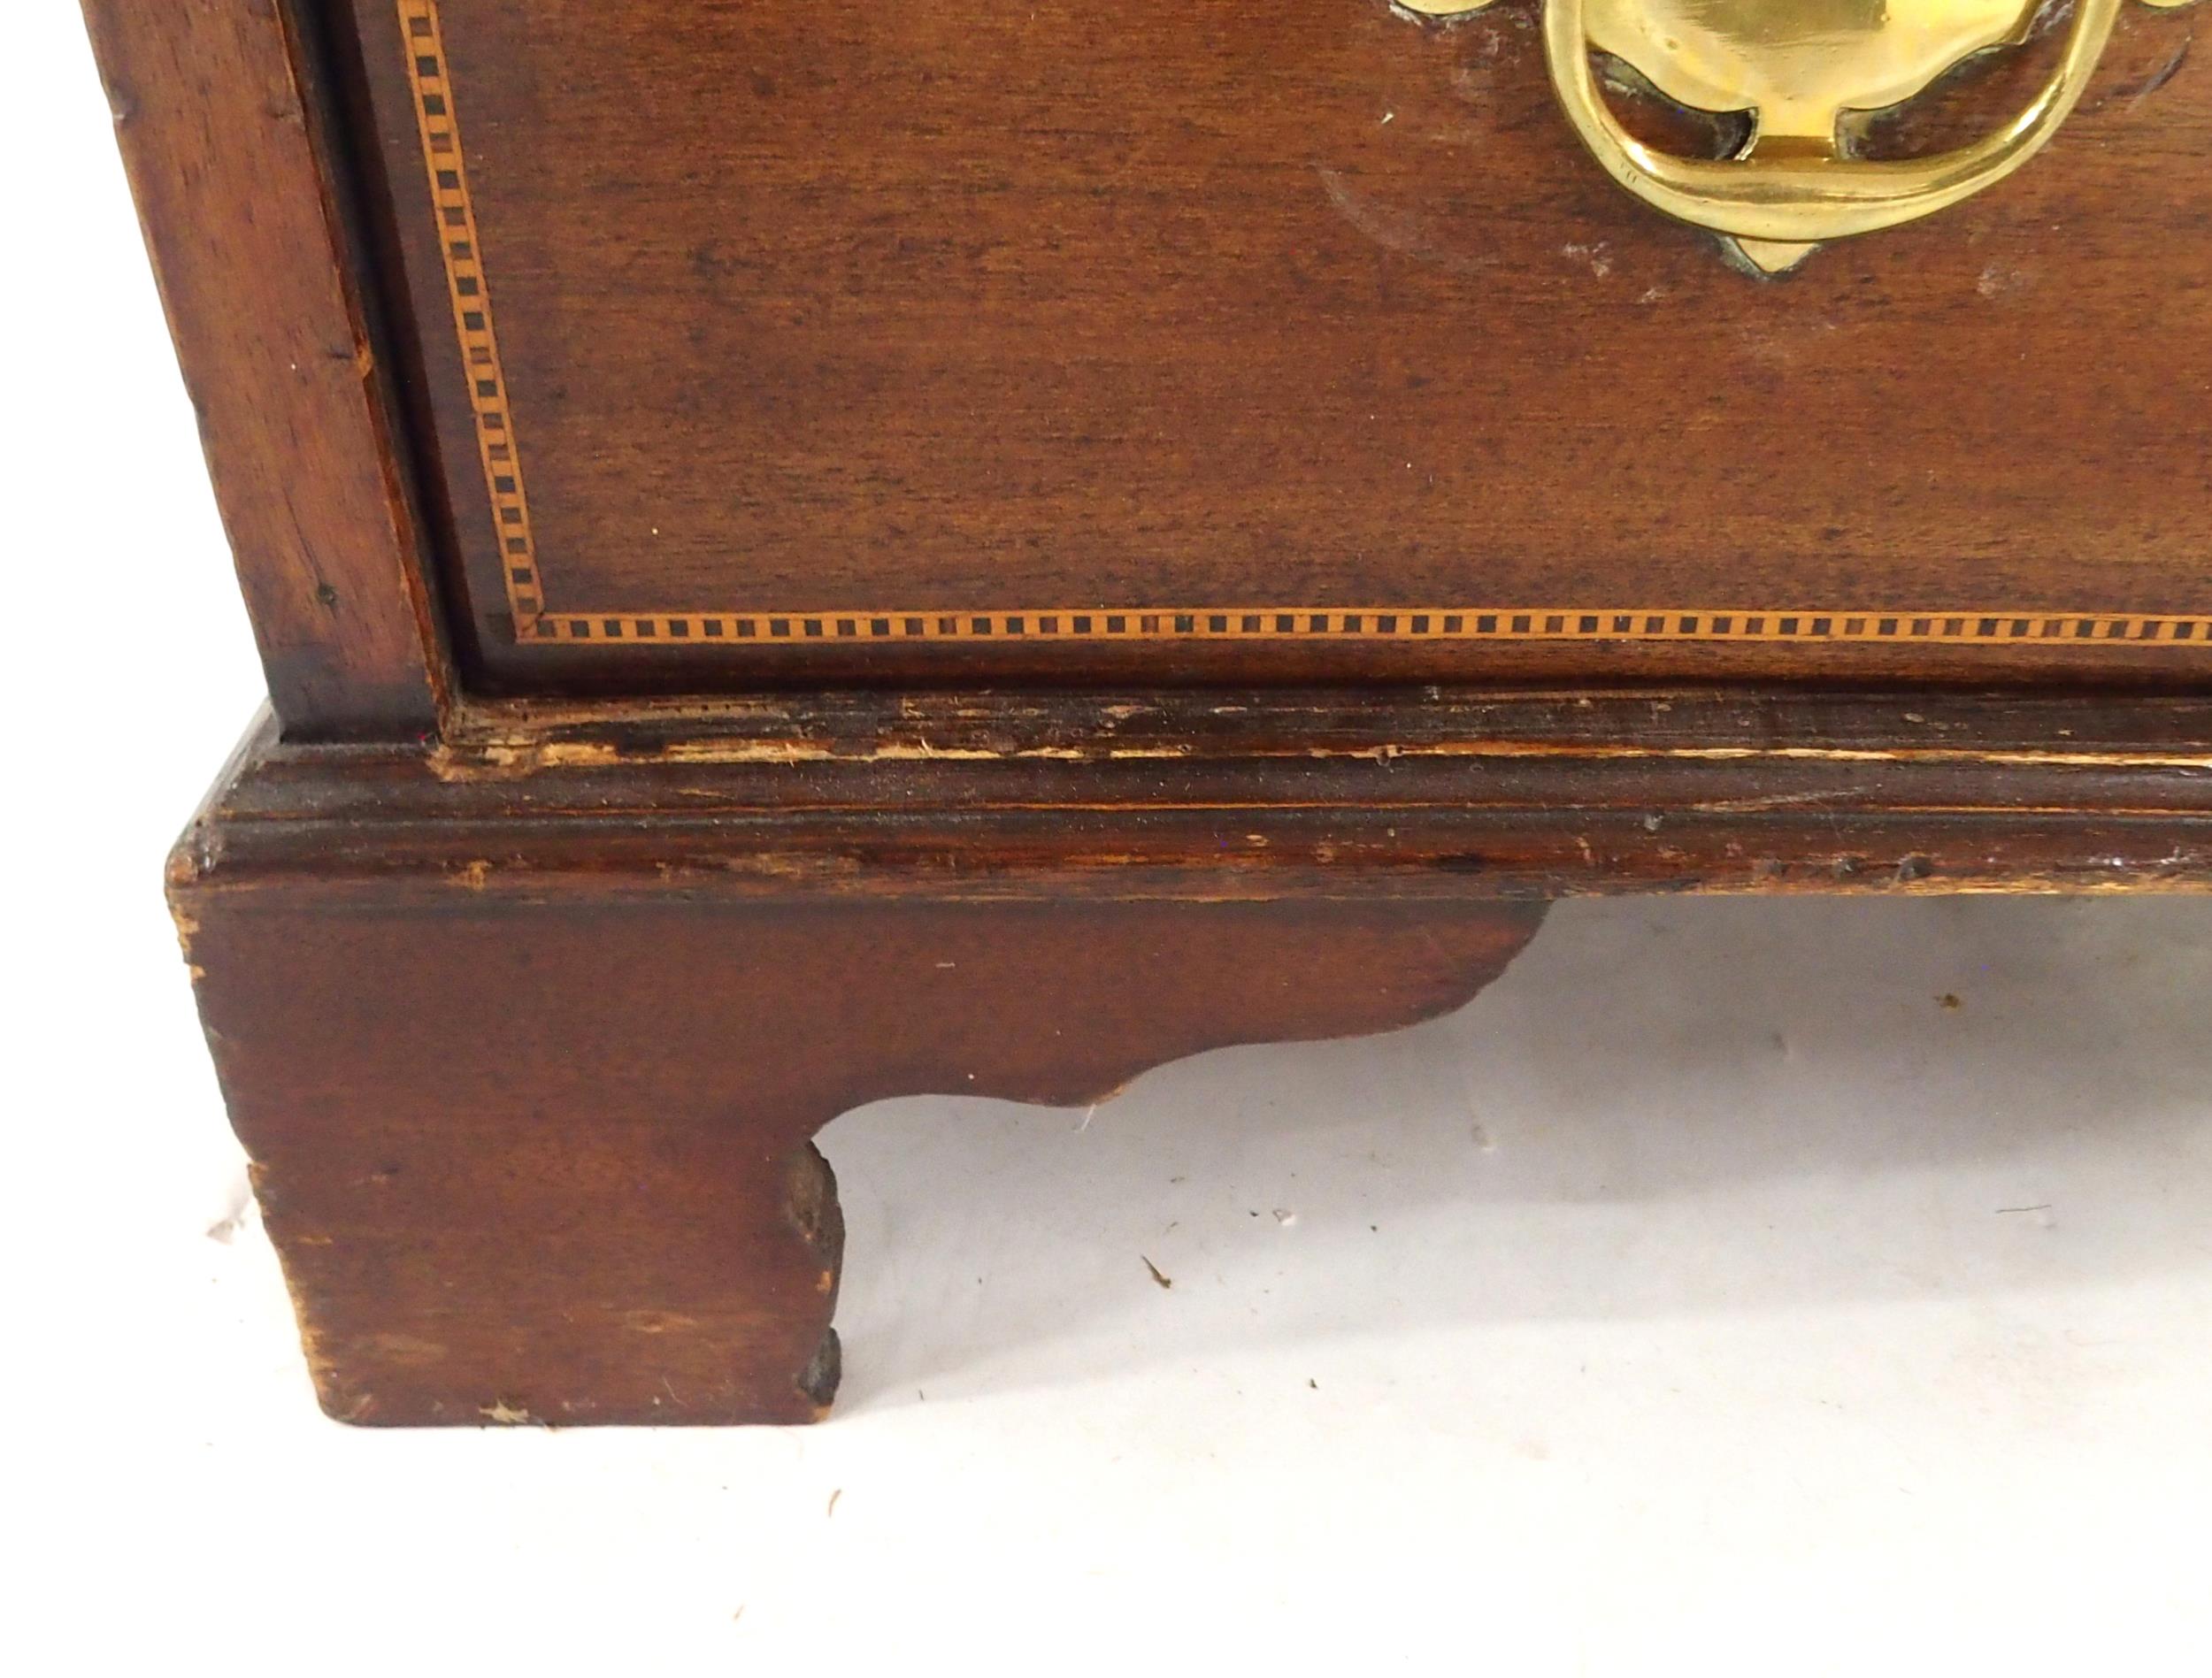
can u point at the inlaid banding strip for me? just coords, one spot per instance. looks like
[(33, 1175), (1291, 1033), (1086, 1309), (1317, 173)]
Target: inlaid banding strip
[(1436, 624), (500, 452), (462, 250)]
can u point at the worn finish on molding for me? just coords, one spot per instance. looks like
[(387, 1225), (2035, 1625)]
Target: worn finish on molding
[(1252, 796)]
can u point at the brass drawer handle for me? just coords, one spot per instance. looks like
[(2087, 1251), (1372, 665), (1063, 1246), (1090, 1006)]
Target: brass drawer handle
[(1797, 65)]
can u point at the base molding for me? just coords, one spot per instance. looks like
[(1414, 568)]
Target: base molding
[(528, 1031), (1262, 795)]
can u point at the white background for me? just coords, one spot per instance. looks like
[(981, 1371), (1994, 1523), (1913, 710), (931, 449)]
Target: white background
[(1711, 1295)]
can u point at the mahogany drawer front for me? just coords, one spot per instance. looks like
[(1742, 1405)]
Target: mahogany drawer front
[(1179, 343)]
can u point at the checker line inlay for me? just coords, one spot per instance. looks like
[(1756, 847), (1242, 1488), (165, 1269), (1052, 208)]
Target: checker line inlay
[(499, 454)]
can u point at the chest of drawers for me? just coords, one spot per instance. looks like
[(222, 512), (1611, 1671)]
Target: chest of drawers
[(811, 554)]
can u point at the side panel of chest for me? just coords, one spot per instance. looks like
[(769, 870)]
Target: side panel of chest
[(1179, 342)]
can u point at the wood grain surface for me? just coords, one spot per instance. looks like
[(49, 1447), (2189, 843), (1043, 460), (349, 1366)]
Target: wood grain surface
[(1253, 796), (225, 124), (545, 1161), (990, 312), (528, 990), (528, 1034)]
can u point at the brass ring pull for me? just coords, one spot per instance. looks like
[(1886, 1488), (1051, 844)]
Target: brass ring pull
[(1798, 66), (1816, 194)]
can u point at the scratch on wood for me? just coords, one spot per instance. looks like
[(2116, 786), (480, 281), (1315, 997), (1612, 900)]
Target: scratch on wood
[(1391, 229), (2165, 73)]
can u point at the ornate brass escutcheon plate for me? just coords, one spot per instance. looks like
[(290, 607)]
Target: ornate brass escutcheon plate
[(1797, 66)]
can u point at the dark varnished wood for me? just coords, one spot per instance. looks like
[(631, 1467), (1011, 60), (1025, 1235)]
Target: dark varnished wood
[(991, 306), (226, 128), (529, 989), (1259, 796), (528, 1034), (542, 1155)]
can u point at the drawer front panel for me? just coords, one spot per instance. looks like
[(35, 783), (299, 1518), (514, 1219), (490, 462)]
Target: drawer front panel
[(1183, 342)]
